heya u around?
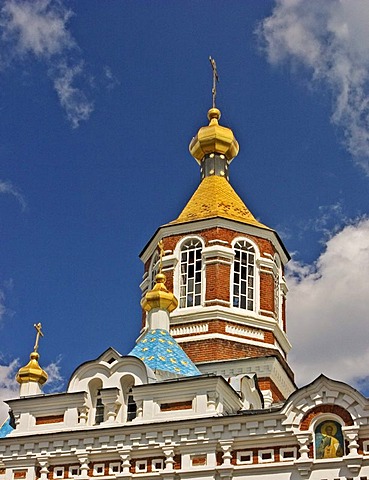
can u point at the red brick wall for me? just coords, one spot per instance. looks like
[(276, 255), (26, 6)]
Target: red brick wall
[(49, 419), (218, 282), (266, 383), (221, 349), (266, 291), (336, 409), (168, 407)]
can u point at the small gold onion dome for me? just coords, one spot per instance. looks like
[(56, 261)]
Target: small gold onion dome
[(159, 297), (32, 372), (214, 139)]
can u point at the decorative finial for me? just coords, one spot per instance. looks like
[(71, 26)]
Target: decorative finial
[(39, 334), (161, 253), (159, 297), (215, 79), (31, 376)]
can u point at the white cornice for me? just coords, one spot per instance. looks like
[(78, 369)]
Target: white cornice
[(241, 317), (222, 336)]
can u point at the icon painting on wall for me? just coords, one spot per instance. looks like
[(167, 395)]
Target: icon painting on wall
[(329, 440)]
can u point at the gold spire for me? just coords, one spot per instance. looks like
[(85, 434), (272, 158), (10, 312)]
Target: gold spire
[(214, 147), (32, 372), (159, 297), (215, 197)]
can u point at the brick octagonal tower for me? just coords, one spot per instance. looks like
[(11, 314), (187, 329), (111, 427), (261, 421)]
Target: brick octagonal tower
[(227, 270)]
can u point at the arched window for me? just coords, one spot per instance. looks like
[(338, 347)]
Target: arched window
[(97, 410), (244, 275), (154, 269), (329, 440), (129, 406), (190, 274)]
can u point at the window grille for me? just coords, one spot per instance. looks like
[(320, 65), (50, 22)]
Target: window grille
[(190, 274), (131, 407), (244, 276), (154, 270), (99, 413)]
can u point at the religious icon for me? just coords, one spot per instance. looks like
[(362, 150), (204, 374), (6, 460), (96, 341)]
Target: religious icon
[(329, 440)]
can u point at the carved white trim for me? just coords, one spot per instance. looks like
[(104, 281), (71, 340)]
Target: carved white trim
[(190, 329), (244, 332)]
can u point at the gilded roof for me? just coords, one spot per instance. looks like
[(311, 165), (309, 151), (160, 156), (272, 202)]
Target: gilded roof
[(215, 197)]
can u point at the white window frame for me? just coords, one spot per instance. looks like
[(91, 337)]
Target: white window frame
[(366, 447), (180, 294), (58, 472), (283, 451), (98, 466), (244, 453), (143, 463), (255, 277), (73, 467), (268, 451), (153, 269), (113, 465), (153, 466)]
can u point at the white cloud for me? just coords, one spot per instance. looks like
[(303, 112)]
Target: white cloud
[(8, 188), (9, 387), (327, 307), (329, 38), (78, 108), (39, 29)]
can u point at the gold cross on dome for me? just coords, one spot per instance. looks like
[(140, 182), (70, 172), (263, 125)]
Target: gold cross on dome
[(215, 79), (39, 334)]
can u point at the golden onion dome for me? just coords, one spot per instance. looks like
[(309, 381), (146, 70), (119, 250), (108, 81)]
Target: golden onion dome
[(32, 372), (159, 297), (214, 139)]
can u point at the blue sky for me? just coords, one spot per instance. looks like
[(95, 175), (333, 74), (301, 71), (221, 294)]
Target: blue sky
[(99, 101)]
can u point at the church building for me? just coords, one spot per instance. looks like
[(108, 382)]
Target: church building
[(207, 392)]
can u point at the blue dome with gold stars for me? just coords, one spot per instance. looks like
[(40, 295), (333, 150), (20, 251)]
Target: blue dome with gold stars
[(6, 428), (159, 351)]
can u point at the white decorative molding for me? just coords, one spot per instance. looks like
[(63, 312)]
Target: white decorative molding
[(223, 336), (218, 252), (266, 456), (287, 454), (244, 332), (217, 240), (190, 329), (217, 301)]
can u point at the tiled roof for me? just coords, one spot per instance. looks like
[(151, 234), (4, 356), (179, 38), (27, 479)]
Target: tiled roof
[(159, 351), (215, 197), (5, 429)]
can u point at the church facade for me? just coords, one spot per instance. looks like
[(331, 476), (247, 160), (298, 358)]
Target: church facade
[(207, 391)]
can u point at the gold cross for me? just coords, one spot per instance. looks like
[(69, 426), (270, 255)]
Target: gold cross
[(161, 250), (39, 334), (215, 79)]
